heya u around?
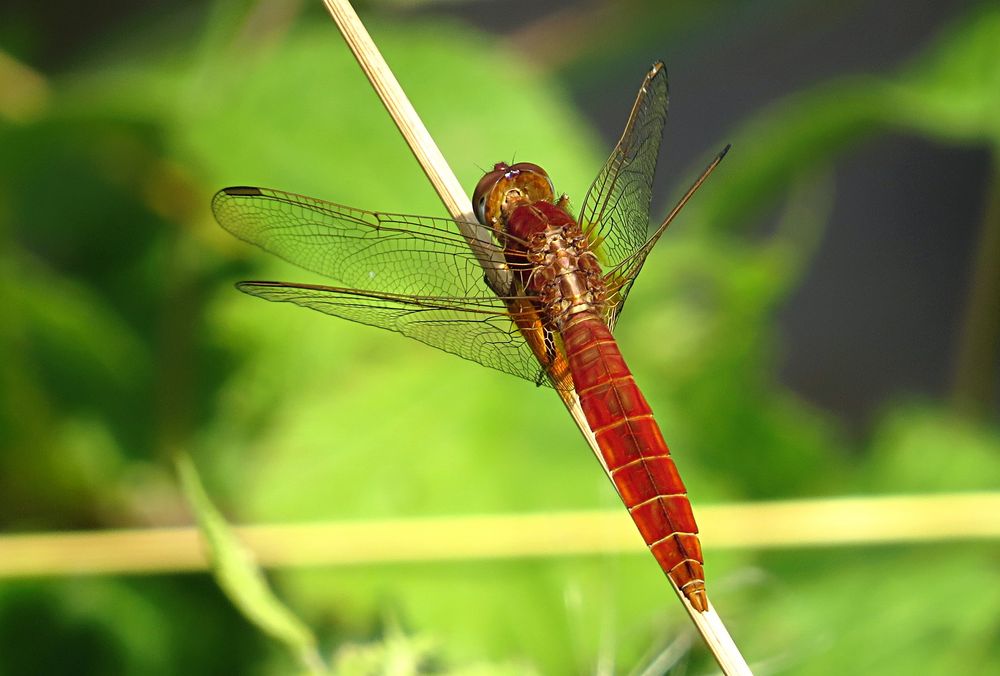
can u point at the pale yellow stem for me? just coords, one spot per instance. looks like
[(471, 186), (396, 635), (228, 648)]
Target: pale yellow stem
[(831, 522)]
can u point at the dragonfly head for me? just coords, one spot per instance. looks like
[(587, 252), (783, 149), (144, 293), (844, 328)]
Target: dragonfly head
[(500, 191)]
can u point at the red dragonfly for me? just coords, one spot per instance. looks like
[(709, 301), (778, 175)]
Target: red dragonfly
[(534, 293)]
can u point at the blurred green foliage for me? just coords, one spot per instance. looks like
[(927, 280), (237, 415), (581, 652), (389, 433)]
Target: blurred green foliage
[(122, 340), (240, 578)]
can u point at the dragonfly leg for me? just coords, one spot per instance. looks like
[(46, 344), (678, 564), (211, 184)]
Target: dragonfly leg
[(551, 357)]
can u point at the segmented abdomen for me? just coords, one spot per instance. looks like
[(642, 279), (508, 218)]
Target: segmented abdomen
[(636, 454)]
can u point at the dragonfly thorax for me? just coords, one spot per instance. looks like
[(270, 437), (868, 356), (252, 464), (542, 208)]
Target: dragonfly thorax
[(550, 254)]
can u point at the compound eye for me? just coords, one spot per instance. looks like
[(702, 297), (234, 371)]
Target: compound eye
[(482, 193), (480, 209), (529, 167)]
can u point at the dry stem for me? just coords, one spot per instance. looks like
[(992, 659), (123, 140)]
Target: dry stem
[(830, 522)]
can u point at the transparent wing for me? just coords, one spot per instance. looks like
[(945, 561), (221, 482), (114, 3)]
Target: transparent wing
[(481, 330), (415, 275), (619, 279), (366, 250), (615, 211)]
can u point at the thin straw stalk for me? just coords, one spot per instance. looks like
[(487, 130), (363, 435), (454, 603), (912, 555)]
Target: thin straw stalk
[(787, 524)]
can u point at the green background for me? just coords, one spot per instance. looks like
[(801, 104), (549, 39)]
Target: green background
[(122, 342)]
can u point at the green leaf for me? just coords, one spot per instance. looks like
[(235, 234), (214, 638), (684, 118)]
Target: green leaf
[(953, 92), (950, 93), (61, 310), (238, 575)]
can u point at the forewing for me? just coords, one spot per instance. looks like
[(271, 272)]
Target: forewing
[(415, 275), (615, 211), (619, 279), (367, 250), (482, 331)]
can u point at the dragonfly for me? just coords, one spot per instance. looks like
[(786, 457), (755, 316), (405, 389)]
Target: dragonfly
[(533, 292)]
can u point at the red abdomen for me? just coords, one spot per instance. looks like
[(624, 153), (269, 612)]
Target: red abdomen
[(636, 454)]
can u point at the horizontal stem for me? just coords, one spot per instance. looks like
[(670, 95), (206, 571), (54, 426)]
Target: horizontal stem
[(764, 525)]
